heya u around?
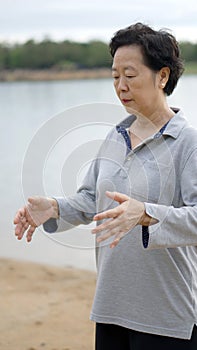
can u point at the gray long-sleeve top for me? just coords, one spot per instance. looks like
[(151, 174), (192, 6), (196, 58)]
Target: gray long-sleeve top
[(151, 289)]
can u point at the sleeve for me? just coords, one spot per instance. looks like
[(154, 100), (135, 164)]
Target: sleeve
[(176, 226), (79, 208)]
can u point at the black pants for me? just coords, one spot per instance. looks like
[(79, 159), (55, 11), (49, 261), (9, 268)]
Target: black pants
[(112, 337)]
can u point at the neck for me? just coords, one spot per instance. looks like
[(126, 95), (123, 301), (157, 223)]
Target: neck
[(148, 125)]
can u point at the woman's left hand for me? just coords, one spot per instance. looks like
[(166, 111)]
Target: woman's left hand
[(122, 219)]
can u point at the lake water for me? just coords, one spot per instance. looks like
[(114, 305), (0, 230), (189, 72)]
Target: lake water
[(46, 129)]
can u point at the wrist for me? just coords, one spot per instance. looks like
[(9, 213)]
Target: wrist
[(145, 219), (55, 208), (143, 216)]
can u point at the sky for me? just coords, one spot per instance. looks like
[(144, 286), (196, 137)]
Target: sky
[(78, 20)]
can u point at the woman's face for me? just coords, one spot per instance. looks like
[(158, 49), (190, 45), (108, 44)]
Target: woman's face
[(137, 86)]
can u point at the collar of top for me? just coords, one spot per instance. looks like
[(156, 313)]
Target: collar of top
[(172, 128)]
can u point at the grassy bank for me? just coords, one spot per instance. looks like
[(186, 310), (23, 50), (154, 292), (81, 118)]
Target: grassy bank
[(52, 74)]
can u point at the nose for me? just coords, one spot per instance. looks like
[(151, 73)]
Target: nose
[(122, 84)]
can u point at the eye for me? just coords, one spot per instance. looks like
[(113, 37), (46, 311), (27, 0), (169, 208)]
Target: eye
[(115, 77), (130, 76)]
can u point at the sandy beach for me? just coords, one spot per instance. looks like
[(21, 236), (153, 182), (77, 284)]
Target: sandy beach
[(44, 307)]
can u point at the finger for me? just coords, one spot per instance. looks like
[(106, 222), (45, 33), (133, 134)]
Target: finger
[(23, 220), (20, 214), (117, 196), (111, 213), (20, 230), (117, 240), (102, 227), (22, 225), (108, 234), (30, 233)]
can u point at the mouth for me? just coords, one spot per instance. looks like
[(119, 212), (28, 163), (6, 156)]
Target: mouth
[(125, 101)]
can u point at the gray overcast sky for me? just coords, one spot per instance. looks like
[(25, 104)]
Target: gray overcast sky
[(97, 19)]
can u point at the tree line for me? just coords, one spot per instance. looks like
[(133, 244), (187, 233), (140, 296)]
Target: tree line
[(67, 55)]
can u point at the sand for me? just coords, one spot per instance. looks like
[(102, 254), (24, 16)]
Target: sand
[(44, 307)]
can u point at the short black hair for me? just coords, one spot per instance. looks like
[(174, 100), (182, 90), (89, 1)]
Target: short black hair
[(159, 49)]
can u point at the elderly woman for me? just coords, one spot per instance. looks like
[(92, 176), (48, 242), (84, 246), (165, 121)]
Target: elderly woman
[(146, 293)]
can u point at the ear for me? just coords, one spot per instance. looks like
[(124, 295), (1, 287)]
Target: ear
[(164, 74)]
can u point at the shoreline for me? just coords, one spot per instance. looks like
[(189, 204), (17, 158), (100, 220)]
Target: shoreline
[(45, 307), (51, 74), (58, 75)]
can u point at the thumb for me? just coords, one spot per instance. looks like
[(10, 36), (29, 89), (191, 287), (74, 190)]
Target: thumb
[(34, 201), (117, 196)]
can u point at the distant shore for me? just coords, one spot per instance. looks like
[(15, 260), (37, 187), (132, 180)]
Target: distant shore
[(51, 74), (54, 74)]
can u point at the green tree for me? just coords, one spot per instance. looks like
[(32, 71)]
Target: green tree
[(189, 51), (67, 54)]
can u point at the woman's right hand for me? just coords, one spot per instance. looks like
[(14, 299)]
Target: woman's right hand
[(37, 211)]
